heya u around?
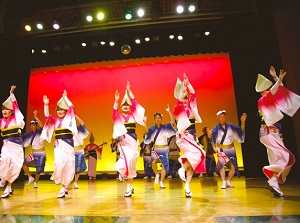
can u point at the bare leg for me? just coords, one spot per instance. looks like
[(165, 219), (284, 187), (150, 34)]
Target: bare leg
[(76, 177), (37, 177), (26, 170), (154, 166), (222, 173), (231, 171)]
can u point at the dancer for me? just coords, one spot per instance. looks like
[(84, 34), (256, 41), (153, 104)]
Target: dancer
[(186, 113), (80, 164), (158, 135), (93, 152), (222, 137), (64, 127), (37, 157), (124, 130), (275, 100), (210, 159), (12, 155)]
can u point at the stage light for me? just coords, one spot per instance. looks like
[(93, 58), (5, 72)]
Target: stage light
[(28, 28), (207, 33), (83, 44), (32, 51), (44, 51), (111, 43), (137, 41), (102, 43), (180, 9), (171, 37), (55, 25), (192, 8), (147, 39), (89, 18), (39, 26), (128, 15), (100, 16), (140, 12), (180, 37)]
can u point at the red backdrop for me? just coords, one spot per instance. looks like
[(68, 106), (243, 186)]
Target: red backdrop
[(91, 88)]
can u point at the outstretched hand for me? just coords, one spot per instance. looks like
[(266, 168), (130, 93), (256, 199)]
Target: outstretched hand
[(273, 72), (185, 79), (128, 86), (209, 132), (281, 75), (35, 112), (65, 93), (168, 108)]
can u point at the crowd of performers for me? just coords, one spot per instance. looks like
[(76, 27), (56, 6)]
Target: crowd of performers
[(161, 141)]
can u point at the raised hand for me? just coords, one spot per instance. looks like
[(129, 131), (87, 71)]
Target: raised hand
[(117, 95), (243, 117), (281, 75), (273, 72), (65, 93), (12, 88), (35, 112), (45, 100), (168, 108), (185, 79), (128, 86)]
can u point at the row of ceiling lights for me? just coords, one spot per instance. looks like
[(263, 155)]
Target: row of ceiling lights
[(100, 16), (137, 41)]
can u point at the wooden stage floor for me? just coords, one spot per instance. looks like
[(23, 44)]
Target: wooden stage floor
[(250, 197)]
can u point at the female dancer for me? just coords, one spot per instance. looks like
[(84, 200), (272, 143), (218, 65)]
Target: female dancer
[(186, 113), (124, 130)]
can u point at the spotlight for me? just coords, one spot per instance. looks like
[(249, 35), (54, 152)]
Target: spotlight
[(111, 43), (180, 37), (180, 9), (102, 43), (147, 39), (137, 41), (39, 26), (100, 16), (32, 51), (55, 25), (44, 51), (89, 18), (171, 37), (140, 12), (128, 15), (207, 33), (83, 44), (28, 28), (192, 8)]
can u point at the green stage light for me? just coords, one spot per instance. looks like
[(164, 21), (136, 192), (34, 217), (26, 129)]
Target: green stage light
[(128, 15)]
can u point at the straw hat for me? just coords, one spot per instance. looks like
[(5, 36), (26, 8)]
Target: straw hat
[(262, 83)]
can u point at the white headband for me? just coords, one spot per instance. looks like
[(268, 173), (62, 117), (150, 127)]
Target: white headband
[(221, 112)]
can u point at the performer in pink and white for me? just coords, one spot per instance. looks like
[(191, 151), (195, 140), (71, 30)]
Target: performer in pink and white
[(222, 138), (275, 100), (79, 137), (12, 155), (186, 113), (124, 131), (64, 127)]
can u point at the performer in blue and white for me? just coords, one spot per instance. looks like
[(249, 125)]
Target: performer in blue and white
[(222, 137), (64, 127), (79, 137), (158, 135), (12, 155), (124, 131), (37, 157), (186, 113)]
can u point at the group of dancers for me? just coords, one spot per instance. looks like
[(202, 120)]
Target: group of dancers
[(69, 158)]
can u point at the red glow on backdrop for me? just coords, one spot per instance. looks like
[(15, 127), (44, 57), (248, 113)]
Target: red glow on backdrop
[(91, 88)]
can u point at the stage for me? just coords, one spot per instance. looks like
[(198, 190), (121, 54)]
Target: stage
[(103, 201)]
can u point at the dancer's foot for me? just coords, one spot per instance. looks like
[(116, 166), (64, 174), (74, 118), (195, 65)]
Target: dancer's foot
[(181, 173)]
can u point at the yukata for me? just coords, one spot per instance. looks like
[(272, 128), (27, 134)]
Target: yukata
[(223, 142), (82, 133), (159, 137), (64, 159), (279, 99), (36, 158), (12, 155), (146, 154), (124, 131), (186, 134)]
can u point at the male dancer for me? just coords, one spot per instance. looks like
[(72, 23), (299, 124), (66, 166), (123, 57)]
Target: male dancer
[(158, 135)]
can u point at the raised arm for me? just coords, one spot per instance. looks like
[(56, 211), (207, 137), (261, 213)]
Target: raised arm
[(79, 120), (116, 103), (188, 84), (65, 95), (145, 122), (129, 90), (243, 121), (46, 106), (172, 119), (35, 112)]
